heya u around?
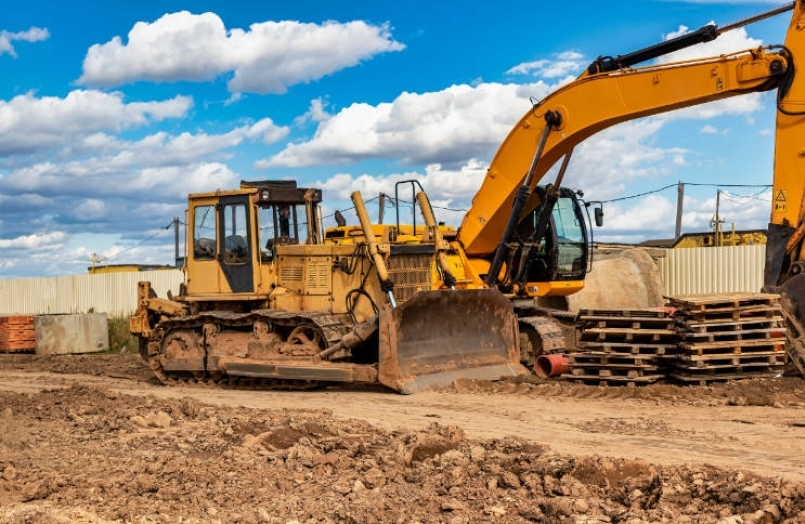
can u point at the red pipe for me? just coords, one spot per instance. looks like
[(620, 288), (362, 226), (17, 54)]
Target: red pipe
[(551, 365)]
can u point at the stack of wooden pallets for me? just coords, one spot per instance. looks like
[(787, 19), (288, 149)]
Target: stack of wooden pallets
[(17, 334), (623, 346), (728, 336)]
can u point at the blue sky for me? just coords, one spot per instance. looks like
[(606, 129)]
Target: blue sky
[(110, 113)]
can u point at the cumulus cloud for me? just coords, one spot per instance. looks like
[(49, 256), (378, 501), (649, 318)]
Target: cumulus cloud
[(564, 64), (267, 58), (34, 34), (28, 123), (100, 183), (729, 42), (654, 216), (448, 127), (47, 241)]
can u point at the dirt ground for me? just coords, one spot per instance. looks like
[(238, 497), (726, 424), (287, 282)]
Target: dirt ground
[(96, 439)]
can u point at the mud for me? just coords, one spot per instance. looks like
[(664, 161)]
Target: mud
[(95, 439)]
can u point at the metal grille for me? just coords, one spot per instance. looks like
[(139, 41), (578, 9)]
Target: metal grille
[(291, 273), (410, 273), (318, 276)]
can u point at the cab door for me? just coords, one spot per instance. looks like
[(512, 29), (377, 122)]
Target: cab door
[(235, 244)]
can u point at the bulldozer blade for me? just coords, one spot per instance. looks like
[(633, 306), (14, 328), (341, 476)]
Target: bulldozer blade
[(436, 337)]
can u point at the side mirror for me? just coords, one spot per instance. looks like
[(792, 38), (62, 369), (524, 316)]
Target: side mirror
[(599, 216)]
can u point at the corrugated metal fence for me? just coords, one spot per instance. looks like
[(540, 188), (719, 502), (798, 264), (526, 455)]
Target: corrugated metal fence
[(713, 269), (684, 271), (112, 293)]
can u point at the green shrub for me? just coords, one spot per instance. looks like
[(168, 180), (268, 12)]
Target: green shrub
[(120, 340)]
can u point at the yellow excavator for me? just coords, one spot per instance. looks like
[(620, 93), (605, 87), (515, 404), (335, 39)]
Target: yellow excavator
[(272, 299), (532, 241)]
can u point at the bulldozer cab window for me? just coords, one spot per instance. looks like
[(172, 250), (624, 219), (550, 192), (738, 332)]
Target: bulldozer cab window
[(282, 224), (236, 246), (204, 237), (570, 239)]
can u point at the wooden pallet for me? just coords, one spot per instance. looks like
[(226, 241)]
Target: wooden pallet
[(722, 301), (633, 326), (726, 306), (769, 358), (583, 358), (647, 313), (732, 347), (637, 335), (647, 348), (616, 367), (718, 325), (616, 380)]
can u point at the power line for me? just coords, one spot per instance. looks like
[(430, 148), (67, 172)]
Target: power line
[(653, 191), (143, 241)]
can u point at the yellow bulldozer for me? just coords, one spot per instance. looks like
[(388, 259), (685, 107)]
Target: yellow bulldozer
[(270, 297)]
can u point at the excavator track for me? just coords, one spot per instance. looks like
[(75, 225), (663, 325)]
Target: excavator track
[(310, 332), (540, 335)]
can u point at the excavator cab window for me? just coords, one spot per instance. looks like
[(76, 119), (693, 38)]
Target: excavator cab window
[(570, 238), (204, 237), (561, 254)]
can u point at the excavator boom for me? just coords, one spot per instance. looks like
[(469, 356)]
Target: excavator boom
[(593, 103)]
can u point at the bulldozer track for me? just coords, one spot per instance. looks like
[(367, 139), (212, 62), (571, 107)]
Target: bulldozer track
[(330, 327)]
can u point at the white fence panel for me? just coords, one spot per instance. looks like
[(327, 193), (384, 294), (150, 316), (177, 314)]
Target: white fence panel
[(684, 271), (112, 293), (727, 269)]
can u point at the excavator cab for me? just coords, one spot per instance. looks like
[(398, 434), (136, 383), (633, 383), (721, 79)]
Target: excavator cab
[(549, 253)]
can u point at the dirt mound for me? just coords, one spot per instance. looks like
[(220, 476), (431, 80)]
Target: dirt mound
[(85, 454), (108, 365)]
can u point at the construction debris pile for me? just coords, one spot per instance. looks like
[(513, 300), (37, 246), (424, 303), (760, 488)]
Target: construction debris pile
[(693, 339)]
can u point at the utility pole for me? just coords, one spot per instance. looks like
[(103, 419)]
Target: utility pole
[(381, 211), (716, 222), (176, 241), (680, 197)]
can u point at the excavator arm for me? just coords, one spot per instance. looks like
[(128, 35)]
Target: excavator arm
[(595, 102)]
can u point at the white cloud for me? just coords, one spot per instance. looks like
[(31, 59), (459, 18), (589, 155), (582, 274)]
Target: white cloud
[(566, 63), (654, 216), (729, 42), (46, 241), (267, 58), (709, 130), (28, 123), (448, 126), (34, 34)]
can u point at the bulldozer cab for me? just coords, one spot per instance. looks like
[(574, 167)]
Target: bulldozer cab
[(234, 233)]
